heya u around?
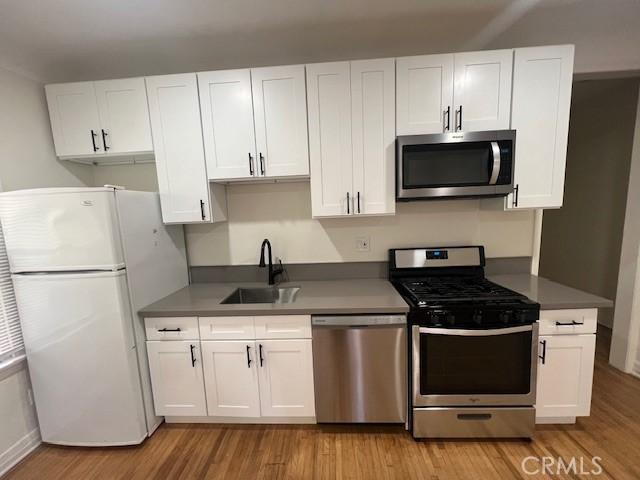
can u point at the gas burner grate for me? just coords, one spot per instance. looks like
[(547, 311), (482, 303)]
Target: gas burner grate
[(433, 289)]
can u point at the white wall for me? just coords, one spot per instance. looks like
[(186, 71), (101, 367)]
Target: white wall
[(27, 157), (19, 431), (626, 322), (282, 213), (27, 160)]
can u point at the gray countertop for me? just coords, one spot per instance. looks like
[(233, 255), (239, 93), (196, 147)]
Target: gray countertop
[(550, 295), (352, 296), (314, 297)]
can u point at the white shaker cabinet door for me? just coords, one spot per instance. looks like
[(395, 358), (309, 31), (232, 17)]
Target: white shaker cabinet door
[(124, 116), (74, 119), (177, 139), (542, 79), (280, 112), (231, 378), (482, 91), (286, 378), (565, 378), (227, 123), (329, 99), (176, 378), (373, 135), (424, 94)]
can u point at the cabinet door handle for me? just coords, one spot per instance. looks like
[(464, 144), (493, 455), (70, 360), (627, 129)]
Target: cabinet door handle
[(568, 324), (447, 115), (170, 329), (348, 202), (93, 141), (260, 354), (104, 140), (248, 356), (358, 202), (261, 164), (516, 192), (543, 357), (251, 165), (193, 355), (202, 210), (459, 119)]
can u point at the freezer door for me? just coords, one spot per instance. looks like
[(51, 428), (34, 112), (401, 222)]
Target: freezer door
[(61, 229), (82, 357)]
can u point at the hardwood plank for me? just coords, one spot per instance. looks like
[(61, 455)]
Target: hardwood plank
[(361, 452)]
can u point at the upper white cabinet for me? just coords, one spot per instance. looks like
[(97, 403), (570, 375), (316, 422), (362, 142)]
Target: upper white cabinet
[(352, 137), (424, 94), (75, 122), (227, 122), (255, 122), (454, 92), (124, 115), (280, 112), (177, 140), (99, 119), (542, 78), (482, 91)]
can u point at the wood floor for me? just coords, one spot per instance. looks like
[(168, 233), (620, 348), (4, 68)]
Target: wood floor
[(612, 432)]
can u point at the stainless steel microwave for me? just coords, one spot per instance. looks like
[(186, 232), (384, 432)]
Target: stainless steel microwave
[(459, 164)]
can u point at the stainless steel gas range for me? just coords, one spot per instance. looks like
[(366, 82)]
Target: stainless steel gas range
[(473, 346)]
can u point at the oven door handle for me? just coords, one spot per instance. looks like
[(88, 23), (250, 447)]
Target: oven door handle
[(495, 170), (460, 332)]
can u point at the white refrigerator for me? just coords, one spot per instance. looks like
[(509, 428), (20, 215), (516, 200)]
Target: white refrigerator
[(83, 262)]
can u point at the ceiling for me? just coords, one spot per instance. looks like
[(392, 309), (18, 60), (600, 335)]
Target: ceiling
[(66, 40)]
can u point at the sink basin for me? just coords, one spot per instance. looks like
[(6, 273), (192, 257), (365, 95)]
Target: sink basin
[(262, 295)]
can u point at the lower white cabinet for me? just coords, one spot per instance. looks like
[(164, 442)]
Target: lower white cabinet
[(231, 378), (268, 373), (176, 376), (565, 374), (286, 378)]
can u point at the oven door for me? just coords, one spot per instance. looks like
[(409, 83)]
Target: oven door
[(454, 165), (493, 367)]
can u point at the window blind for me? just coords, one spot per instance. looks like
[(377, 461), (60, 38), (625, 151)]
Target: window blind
[(11, 343)]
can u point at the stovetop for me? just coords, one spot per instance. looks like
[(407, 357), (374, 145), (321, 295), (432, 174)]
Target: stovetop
[(446, 288), (430, 291)]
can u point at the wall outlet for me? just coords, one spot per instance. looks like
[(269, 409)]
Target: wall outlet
[(363, 244)]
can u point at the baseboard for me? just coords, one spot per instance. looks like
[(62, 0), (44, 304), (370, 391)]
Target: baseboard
[(19, 450), (555, 420), (243, 420)]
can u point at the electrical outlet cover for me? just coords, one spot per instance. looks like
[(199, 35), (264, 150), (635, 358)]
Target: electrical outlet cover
[(363, 244)]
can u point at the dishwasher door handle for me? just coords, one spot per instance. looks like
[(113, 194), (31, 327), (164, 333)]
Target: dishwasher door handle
[(358, 321)]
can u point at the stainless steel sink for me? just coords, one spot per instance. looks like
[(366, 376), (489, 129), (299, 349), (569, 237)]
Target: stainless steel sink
[(263, 295)]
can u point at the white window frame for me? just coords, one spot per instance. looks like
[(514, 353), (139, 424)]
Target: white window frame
[(11, 342)]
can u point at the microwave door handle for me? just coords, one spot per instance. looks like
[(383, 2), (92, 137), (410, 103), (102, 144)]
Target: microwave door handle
[(495, 170)]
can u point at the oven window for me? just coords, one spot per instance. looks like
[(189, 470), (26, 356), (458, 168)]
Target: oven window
[(442, 165), (460, 365)]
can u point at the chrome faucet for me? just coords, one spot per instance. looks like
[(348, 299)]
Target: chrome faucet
[(272, 273)]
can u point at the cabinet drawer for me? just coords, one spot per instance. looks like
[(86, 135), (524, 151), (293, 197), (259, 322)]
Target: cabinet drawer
[(226, 328), (172, 328), (283, 326), (567, 322)]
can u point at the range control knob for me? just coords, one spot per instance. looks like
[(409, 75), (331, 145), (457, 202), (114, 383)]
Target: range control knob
[(451, 318), (477, 317), (506, 317)]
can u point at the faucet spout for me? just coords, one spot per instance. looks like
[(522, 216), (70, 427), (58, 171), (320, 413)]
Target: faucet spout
[(272, 273)]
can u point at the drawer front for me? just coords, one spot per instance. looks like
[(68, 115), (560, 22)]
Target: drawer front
[(227, 328), (283, 326), (568, 322), (172, 328)]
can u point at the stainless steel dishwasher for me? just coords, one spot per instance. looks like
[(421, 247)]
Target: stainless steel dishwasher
[(360, 368)]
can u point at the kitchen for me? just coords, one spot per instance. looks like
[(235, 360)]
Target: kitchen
[(313, 257)]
